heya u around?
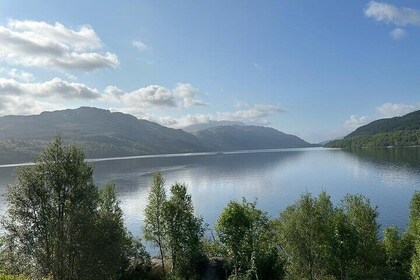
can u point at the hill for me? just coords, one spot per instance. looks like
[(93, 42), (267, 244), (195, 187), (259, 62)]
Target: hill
[(237, 137), (396, 132), (99, 132), (202, 126), (102, 133)]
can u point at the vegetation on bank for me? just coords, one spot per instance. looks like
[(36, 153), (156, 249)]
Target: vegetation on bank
[(59, 225), (393, 132), (379, 140), (408, 122)]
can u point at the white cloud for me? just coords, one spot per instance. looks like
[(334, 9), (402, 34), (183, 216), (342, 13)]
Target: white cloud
[(25, 105), (53, 88), (355, 121), (182, 96), (397, 33), (20, 75), (70, 76), (389, 110), (40, 44), (256, 114), (388, 13), (151, 96), (141, 46), (30, 98), (188, 94)]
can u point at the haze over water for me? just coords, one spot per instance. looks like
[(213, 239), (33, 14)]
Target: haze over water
[(275, 178)]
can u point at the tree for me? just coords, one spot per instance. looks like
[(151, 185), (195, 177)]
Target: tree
[(304, 230), (246, 234), (111, 235), (368, 253), (232, 228), (51, 216), (154, 215), (415, 261), (414, 216), (413, 235), (183, 232), (397, 253), (342, 245), (138, 264)]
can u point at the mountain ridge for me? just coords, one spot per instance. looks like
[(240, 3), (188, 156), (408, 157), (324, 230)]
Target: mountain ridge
[(235, 137), (202, 126), (399, 131), (102, 133)]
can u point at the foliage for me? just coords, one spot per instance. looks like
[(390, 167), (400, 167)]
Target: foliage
[(305, 234), (111, 235), (138, 264), (51, 216), (415, 263), (183, 232), (414, 216), (154, 215), (363, 218), (413, 233), (246, 235), (321, 241), (397, 253), (12, 277), (57, 220), (408, 122), (379, 140)]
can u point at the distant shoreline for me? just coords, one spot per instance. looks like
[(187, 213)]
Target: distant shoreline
[(11, 165)]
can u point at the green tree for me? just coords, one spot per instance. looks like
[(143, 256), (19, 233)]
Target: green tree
[(154, 216), (415, 261), (413, 235), (304, 230), (183, 232), (342, 245), (112, 239), (138, 263), (414, 216), (59, 225), (51, 216), (397, 252), (246, 234), (368, 252)]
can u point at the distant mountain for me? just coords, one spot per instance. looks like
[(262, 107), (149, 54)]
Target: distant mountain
[(407, 122), (102, 133), (397, 132), (239, 137), (201, 126)]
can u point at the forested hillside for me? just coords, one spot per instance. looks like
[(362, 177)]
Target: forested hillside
[(396, 132), (102, 133), (239, 137)]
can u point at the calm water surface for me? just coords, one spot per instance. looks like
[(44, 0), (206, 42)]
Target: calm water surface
[(276, 178)]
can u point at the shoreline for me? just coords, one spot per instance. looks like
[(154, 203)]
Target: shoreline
[(11, 165)]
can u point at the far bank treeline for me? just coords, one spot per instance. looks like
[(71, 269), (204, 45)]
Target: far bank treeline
[(394, 132), (59, 225)]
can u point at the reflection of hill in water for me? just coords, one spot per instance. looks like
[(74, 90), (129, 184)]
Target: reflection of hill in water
[(134, 173), (407, 157)]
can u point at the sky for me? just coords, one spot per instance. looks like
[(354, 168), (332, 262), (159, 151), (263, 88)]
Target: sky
[(316, 69)]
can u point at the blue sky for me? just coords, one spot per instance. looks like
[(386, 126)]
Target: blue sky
[(317, 69)]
